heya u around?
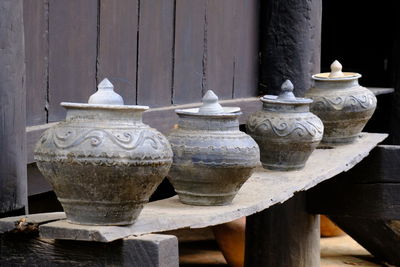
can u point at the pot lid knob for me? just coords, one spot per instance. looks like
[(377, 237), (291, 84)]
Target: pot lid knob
[(336, 70), (105, 95), (287, 91), (210, 104)]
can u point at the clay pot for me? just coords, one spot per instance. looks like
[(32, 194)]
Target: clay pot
[(328, 228), (212, 158), (342, 104), (285, 130), (102, 161), (230, 237)]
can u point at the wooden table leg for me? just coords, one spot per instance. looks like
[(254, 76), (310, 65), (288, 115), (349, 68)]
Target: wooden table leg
[(283, 235)]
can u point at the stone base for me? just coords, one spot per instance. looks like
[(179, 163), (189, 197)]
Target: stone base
[(206, 200), (326, 140), (101, 212), (282, 167)]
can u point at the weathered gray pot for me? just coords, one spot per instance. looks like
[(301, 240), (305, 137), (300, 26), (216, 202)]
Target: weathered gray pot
[(102, 161), (212, 158), (285, 130), (342, 104)]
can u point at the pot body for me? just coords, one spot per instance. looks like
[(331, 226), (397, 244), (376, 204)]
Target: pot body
[(286, 135), (212, 159), (343, 106), (103, 166)]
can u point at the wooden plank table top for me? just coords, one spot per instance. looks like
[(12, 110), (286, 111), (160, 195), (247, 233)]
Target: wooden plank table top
[(263, 189)]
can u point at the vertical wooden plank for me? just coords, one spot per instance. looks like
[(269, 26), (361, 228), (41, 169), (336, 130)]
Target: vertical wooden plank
[(117, 46), (220, 47), (189, 51), (155, 52), (36, 60), (13, 189), (73, 51), (246, 48)]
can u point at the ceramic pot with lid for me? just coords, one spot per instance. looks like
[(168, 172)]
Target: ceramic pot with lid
[(103, 162), (285, 130), (342, 104), (212, 158)]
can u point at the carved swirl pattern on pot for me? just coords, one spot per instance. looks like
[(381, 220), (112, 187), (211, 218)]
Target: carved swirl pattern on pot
[(338, 103), (282, 129), (70, 145), (69, 138), (238, 156), (235, 135)]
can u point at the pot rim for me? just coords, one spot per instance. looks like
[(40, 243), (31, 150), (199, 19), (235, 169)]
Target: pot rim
[(273, 99), (228, 112), (103, 106), (347, 76)]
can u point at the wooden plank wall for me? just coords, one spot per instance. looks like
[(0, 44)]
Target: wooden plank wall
[(156, 52)]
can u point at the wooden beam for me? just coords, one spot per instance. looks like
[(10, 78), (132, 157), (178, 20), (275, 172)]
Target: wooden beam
[(13, 185), (148, 250), (379, 237)]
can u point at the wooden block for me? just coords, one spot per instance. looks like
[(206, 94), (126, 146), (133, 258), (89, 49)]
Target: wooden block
[(149, 250), (374, 201), (380, 237)]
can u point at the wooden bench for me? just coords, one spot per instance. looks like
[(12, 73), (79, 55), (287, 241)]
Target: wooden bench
[(276, 235)]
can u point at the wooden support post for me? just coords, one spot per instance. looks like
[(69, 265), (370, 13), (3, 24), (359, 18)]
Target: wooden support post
[(283, 235), (286, 235), (290, 43), (13, 189), (22, 249)]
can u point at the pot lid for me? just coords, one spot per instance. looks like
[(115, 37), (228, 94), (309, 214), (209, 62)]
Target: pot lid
[(210, 107), (336, 74), (104, 98), (286, 96)]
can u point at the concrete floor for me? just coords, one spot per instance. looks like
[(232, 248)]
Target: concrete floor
[(335, 252)]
